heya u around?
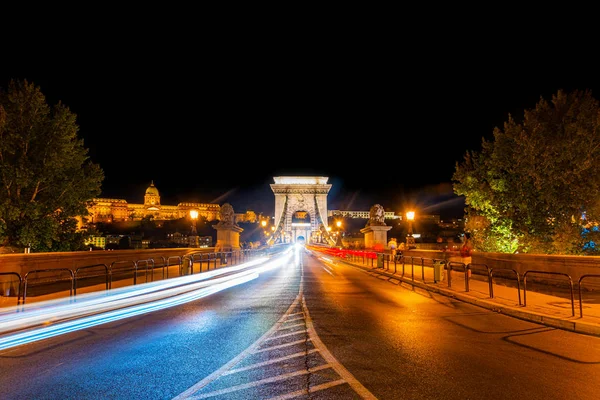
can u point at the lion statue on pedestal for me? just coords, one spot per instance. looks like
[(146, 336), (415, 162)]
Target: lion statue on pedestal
[(376, 216), (227, 214)]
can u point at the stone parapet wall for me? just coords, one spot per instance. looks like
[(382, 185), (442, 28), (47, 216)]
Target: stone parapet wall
[(23, 263), (573, 266), (551, 267)]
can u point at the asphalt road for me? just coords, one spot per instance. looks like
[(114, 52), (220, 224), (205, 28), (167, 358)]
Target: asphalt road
[(309, 329)]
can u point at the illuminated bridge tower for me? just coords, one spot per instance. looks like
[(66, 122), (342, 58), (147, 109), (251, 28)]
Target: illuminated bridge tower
[(301, 209)]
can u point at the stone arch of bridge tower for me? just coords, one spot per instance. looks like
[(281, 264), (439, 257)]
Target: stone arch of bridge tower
[(300, 206), (300, 194)]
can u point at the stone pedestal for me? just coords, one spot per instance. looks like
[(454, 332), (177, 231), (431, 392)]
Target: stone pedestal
[(375, 235), (228, 237)]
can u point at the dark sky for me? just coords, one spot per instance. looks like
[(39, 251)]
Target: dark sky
[(383, 132)]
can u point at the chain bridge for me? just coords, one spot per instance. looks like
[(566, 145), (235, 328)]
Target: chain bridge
[(301, 210)]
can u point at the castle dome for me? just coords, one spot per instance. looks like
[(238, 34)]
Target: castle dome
[(152, 190)]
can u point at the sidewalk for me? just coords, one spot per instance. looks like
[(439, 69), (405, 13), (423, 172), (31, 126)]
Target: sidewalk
[(548, 306)]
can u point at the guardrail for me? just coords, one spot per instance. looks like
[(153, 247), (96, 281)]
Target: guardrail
[(6, 291), (36, 271), (549, 273), (491, 277), (579, 284), (367, 258), (120, 268), (76, 275), (466, 270)]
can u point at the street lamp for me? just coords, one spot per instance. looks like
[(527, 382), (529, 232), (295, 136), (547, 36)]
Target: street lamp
[(194, 216), (263, 223), (338, 241), (410, 240), (194, 236)]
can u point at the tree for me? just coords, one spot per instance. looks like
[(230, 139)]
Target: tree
[(46, 177), (536, 187), (147, 226)]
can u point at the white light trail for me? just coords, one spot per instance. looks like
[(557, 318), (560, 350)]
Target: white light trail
[(87, 322), (52, 318), (87, 303)]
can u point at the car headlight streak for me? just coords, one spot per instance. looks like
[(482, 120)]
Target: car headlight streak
[(28, 324)]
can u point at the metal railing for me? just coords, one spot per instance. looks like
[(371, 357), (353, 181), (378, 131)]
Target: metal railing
[(179, 262), (427, 263), (365, 258), (121, 271), (387, 262), (36, 271), (18, 286), (548, 273), (76, 275), (465, 269), (488, 274), (148, 263), (120, 268), (491, 277), (161, 265), (581, 278)]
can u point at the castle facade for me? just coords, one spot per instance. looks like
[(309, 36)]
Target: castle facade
[(116, 210)]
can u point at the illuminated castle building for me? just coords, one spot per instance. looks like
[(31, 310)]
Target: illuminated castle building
[(115, 210)]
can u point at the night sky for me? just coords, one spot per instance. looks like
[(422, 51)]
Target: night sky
[(382, 133)]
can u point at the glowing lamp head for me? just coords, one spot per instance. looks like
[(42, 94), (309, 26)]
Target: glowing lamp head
[(194, 214), (410, 215)]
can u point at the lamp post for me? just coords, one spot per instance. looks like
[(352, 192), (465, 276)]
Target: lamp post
[(194, 216), (338, 241), (410, 240), (194, 236), (263, 223)]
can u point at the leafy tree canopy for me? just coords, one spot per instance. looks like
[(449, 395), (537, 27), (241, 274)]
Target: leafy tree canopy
[(535, 187), (46, 177)]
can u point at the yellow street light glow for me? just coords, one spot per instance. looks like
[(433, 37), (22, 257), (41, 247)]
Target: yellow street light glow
[(194, 214), (410, 239), (263, 222)]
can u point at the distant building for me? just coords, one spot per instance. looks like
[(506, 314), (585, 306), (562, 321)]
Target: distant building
[(359, 214), (190, 240), (248, 216), (113, 239), (97, 241), (115, 210)]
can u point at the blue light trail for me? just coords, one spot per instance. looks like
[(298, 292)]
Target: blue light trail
[(57, 317)]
